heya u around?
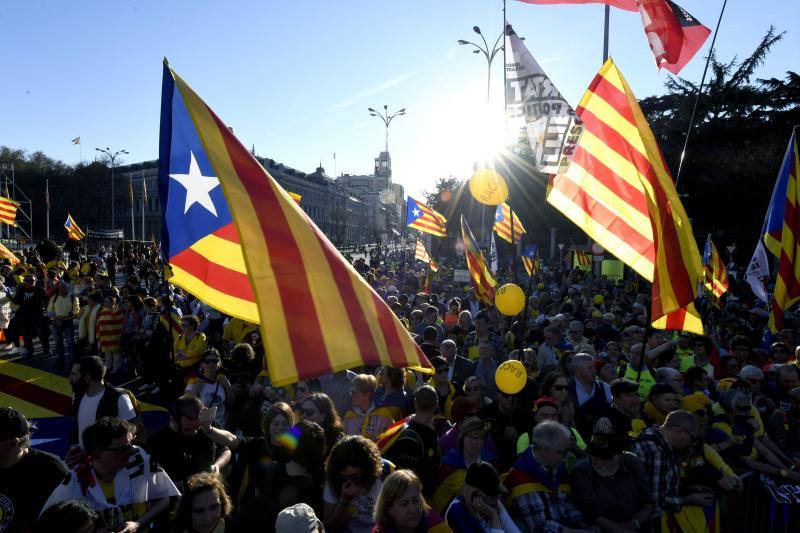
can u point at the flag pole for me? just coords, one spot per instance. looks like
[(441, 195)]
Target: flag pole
[(144, 199), (605, 32), (510, 177), (47, 199), (697, 96)]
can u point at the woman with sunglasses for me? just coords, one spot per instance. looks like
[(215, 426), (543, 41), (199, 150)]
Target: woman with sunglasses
[(475, 390), (319, 408), (302, 390), (556, 386), (353, 484), (212, 386)]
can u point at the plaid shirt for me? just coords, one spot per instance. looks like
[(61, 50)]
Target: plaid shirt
[(664, 468), (545, 511), (473, 341)]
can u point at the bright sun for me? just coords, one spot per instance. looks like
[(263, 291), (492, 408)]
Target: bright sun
[(456, 136)]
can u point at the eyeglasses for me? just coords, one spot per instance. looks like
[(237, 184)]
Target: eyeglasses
[(211, 361), (560, 388), (126, 448)]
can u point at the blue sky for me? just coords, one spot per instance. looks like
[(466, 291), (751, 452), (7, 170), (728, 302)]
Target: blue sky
[(295, 78)]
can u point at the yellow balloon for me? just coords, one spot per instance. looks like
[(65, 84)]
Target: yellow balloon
[(488, 187), (510, 299), (511, 376)]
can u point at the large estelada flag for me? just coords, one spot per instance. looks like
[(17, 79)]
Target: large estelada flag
[(74, 232), (46, 399), (715, 277), (483, 281), (317, 314), (502, 224), (674, 35), (423, 218), (627, 5), (782, 234), (619, 191), (8, 211), (198, 237)]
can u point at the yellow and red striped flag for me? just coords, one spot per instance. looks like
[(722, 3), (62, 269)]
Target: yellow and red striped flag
[(317, 314), (531, 260), (502, 224), (581, 259), (421, 253), (782, 234), (421, 217), (8, 211), (619, 191), (483, 281), (8, 254), (74, 232), (715, 276), (434, 266)]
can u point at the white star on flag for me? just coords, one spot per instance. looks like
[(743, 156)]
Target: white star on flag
[(198, 187), (416, 212)]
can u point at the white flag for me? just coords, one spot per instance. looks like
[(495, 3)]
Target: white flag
[(493, 255), (757, 270), (540, 122)]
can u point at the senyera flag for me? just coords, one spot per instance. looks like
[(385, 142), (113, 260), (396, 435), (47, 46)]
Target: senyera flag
[(421, 253), (483, 281), (8, 211), (619, 191), (318, 315), (674, 35), (627, 5)]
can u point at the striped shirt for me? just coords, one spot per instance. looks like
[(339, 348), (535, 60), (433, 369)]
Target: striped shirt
[(109, 329)]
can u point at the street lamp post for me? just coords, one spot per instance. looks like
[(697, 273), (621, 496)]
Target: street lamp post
[(112, 158), (478, 49), (387, 119)]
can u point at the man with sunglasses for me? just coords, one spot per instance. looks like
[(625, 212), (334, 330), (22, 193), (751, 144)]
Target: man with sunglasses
[(119, 480)]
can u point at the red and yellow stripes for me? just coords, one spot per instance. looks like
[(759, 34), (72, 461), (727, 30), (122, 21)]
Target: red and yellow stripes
[(503, 226), (8, 210), (421, 253), (620, 192), (431, 221), (716, 277), (787, 282), (483, 281), (217, 256), (74, 232), (316, 313)]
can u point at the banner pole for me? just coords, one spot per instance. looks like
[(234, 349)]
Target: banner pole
[(605, 32)]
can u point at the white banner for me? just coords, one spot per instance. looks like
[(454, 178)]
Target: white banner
[(541, 123), (757, 270)]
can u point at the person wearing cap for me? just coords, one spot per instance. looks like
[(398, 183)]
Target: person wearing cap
[(298, 518), (401, 506), (610, 486), (471, 448), (27, 475), (417, 444), (479, 506), (118, 479), (539, 492), (661, 401), (623, 411)]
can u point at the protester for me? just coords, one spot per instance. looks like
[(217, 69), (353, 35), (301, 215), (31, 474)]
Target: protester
[(205, 507), (402, 507), (365, 418), (27, 475), (319, 408), (70, 516)]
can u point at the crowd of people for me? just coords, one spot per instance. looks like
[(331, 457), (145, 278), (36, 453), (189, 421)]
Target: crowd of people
[(619, 427)]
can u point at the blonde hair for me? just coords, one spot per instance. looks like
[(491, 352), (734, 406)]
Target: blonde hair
[(365, 383), (395, 485)]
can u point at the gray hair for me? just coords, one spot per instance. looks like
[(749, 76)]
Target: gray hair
[(450, 343), (577, 323), (579, 358), (728, 399), (549, 434), (751, 372), (664, 373)]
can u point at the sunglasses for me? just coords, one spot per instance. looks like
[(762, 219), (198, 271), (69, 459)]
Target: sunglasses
[(560, 388)]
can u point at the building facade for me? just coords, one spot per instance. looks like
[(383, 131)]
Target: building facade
[(351, 210)]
